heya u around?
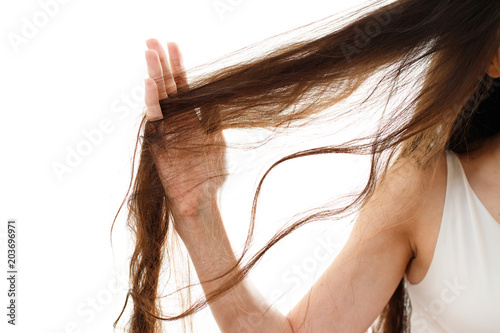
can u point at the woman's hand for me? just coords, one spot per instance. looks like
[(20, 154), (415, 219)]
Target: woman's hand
[(183, 172)]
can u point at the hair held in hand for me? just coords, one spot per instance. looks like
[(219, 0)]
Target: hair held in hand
[(425, 59)]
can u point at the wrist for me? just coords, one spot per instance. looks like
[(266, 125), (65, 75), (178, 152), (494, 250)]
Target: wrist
[(191, 204), (198, 220)]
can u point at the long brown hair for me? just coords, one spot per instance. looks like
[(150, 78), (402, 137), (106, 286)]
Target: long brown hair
[(430, 54)]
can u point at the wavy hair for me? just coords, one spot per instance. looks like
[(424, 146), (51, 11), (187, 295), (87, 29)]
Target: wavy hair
[(425, 60)]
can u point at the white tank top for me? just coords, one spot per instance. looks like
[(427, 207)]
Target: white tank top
[(461, 291)]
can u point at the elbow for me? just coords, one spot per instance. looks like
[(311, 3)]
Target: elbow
[(289, 325), (254, 325)]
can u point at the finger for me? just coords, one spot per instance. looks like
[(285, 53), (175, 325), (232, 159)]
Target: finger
[(170, 85), (177, 65), (155, 72), (153, 111)]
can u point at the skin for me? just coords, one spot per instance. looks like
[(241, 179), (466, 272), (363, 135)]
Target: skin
[(167, 76), (398, 225)]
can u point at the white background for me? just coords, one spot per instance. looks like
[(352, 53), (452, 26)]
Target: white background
[(80, 71)]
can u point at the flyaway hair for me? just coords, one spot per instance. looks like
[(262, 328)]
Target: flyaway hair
[(420, 66)]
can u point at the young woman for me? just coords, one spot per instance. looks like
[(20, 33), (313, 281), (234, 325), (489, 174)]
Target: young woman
[(427, 236)]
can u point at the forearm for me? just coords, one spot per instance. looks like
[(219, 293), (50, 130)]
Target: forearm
[(243, 309)]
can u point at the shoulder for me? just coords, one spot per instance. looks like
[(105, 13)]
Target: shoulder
[(363, 277), (408, 198)]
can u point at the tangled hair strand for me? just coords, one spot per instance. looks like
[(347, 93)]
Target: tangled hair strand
[(427, 57)]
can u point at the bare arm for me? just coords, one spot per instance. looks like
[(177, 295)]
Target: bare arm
[(353, 290), (244, 308), (346, 298)]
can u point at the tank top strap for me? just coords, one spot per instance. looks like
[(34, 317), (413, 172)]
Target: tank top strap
[(460, 291), (470, 195)]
